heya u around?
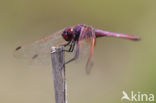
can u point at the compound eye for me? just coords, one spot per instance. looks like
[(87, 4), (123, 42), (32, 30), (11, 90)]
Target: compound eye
[(68, 34)]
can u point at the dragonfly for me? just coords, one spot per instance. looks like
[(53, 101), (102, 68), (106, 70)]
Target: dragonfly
[(74, 37)]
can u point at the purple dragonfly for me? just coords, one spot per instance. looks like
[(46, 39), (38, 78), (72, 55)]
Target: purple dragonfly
[(72, 36)]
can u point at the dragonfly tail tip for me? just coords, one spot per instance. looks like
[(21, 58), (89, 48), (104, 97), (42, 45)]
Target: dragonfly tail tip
[(137, 39)]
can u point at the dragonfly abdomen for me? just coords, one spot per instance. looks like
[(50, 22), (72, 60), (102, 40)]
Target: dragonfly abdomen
[(101, 33)]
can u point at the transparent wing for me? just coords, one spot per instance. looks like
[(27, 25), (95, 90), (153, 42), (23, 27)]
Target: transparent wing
[(90, 59), (38, 51), (90, 34), (86, 46), (84, 49)]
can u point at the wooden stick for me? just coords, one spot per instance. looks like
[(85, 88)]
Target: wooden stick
[(57, 57)]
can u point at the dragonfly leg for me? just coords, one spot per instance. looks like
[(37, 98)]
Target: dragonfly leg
[(71, 60), (67, 44), (71, 48), (74, 58)]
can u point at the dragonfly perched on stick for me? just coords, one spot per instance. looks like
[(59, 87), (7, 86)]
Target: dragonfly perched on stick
[(72, 36)]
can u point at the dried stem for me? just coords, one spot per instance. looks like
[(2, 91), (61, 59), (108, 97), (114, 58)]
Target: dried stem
[(57, 57)]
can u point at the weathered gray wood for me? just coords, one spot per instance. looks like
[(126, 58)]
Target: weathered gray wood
[(57, 57)]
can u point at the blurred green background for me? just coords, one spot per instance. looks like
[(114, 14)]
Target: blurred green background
[(119, 64)]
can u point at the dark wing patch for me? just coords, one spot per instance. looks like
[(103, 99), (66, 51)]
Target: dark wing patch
[(35, 56), (19, 47)]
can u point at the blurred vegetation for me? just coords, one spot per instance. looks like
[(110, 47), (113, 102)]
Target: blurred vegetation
[(119, 64)]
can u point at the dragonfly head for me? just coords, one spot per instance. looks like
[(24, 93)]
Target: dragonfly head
[(68, 34)]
